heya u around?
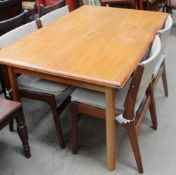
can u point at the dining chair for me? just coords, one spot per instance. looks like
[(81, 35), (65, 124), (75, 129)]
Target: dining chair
[(151, 5), (13, 110), (54, 15), (11, 23), (31, 6), (46, 9), (135, 95), (9, 9), (160, 68), (169, 5), (56, 95), (120, 3)]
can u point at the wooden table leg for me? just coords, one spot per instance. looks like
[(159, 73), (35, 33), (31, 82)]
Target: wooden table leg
[(110, 128), (14, 85)]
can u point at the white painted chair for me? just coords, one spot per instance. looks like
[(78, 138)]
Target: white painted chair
[(54, 15), (55, 94), (160, 68), (129, 98)]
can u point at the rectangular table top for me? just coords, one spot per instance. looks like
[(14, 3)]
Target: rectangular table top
[(101, 45)]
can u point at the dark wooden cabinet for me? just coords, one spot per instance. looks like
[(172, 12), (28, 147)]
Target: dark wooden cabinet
[(9, 8)]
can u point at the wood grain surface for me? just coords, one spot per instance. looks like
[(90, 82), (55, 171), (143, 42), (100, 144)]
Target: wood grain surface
[(101, 45)]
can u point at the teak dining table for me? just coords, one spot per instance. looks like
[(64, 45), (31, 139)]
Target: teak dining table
[(96, 48)]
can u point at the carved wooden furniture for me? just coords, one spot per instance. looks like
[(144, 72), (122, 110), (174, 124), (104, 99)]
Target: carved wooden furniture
[(54, 94), (9, 24), (46, 9), (9, 9), (130, 98), (10, 110), (82, 53)]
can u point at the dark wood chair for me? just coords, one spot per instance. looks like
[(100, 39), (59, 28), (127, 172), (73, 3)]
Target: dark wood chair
[(169, 5), (136, 94), (120, 3), (56, 95), (46, 9), (9, 9), (12, 23), (152, 5), (10, 110)]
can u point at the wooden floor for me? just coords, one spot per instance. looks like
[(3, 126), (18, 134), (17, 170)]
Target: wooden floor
[(157, 147)]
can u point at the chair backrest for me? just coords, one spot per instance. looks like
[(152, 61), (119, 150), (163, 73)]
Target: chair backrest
[(142, 79), (46, 9), (90, 2), (18, 33), (54, 15), (164, 33), (14, 22)]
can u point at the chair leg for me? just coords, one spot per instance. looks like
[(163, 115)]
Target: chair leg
[(11, 128), (131, 130), (152, 108), (74, 117), (57, 123), (23, 134), (164, 79)]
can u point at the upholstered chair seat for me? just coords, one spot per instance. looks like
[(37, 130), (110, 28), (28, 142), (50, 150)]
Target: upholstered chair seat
[(40, 85), (60, 91), (97, 99)]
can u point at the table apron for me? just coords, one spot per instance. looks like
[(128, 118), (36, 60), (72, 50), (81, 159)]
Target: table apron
[(59, 79)]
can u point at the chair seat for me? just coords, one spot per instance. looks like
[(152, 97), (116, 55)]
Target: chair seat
[(97, 99), (40, 85), (7, 107), (28, 5)]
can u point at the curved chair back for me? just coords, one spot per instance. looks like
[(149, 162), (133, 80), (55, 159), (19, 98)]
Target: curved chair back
[(149, 66), (54, 15), (164, 33), (18, 33), (90, 2), (142, 78), (46, 9), (14, 22)]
